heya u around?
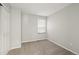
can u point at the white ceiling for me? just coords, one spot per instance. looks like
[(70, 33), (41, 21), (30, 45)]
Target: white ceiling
[(42, 9)]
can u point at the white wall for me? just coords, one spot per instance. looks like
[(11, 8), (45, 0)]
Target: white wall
[(29, 28), (4, 30), (10, 29), (15, 27), (63, 28)]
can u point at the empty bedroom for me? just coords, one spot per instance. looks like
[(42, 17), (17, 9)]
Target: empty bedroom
[(39, 28)]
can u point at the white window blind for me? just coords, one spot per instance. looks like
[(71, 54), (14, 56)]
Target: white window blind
[(41, 25)]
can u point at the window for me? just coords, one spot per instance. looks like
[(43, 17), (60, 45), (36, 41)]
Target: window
[(41, 25)]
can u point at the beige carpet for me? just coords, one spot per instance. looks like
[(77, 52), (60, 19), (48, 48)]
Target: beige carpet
[(42, 47)]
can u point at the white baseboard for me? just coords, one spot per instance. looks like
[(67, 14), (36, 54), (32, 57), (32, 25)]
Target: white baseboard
[(64, 47), (32, 40)]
